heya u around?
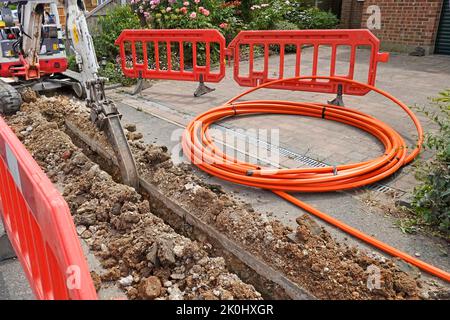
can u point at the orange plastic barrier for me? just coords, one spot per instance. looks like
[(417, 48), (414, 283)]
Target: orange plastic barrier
[(39, 225), (321, 44), (153, 54), (148, 54)]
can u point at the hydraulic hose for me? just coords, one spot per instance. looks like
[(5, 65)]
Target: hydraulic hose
[(199, 147)]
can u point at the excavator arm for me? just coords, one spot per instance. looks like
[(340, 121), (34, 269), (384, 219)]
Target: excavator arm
[(104, 112)]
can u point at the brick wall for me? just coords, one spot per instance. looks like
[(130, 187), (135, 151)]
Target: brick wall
[(351, 14), (406, 24)]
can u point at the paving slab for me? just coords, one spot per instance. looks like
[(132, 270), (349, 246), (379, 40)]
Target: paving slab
[(13, 283)]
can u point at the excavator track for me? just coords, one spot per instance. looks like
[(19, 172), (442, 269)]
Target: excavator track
[(10, 99)]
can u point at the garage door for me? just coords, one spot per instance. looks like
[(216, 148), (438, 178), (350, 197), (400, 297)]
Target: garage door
[(443, 36)]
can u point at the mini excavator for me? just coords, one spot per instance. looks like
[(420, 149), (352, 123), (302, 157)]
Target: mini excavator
[(33, 54)]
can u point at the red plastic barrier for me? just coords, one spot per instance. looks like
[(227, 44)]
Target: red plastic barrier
[(150, 54), (39, 226), (302, 42)]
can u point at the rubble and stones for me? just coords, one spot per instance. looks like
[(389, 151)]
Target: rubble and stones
[(136, 248)]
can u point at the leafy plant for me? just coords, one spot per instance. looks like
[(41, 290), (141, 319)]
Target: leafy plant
[(72, 64), (113, 72), (109, 28), (311, 18), (286, 25), (225, 17), (264, 14), (244, 10), (432, 197)]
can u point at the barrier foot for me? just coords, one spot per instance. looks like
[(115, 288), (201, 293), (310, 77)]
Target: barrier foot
[(141, 84), (338, 101), (138, 87), (6, 249), (202, 88)]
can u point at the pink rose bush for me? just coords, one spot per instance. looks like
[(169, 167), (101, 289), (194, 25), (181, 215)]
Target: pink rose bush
[(189, 14)]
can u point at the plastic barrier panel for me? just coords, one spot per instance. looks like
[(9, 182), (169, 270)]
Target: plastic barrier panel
[(39, 225), (172, 54), (316, 53)]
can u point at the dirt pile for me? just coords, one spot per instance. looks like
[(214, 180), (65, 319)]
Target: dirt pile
[(137, 249), (314, 260)]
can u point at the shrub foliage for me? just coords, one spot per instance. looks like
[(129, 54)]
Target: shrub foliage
[(432, 197)]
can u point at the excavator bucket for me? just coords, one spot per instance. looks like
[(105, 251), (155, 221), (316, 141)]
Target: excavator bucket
[(119, 143)]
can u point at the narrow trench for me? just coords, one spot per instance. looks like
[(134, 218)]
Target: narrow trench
[(105, 164), (268, 288)]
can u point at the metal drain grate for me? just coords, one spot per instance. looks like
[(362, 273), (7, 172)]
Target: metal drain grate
[(283, 151), (385, 189), (377, 187), (301, 158)]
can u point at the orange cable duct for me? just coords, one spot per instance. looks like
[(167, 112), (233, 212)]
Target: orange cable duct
[(199, 147)]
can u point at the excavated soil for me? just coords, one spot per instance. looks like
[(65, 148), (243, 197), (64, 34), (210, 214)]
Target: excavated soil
[(314, 260), (137, 249), (131, 241)]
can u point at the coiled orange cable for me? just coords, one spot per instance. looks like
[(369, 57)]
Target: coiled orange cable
[(199, 147)]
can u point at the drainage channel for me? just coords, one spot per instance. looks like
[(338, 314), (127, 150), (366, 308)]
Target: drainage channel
[(300, 158), (270, 282)]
